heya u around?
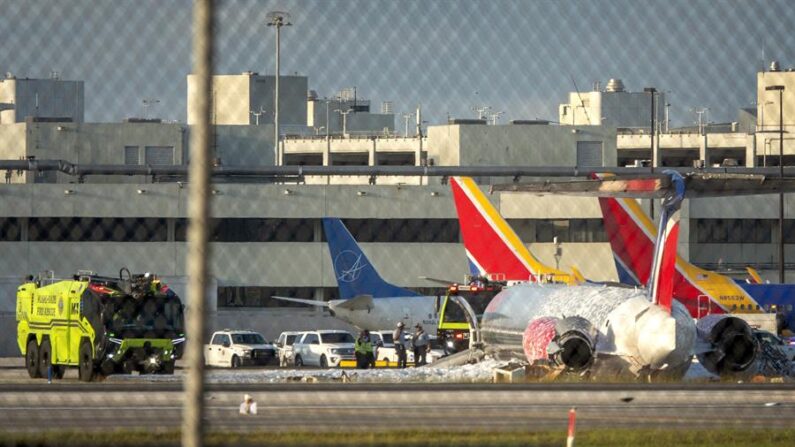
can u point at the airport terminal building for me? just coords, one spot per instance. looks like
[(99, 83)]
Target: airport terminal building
[(267, 237)]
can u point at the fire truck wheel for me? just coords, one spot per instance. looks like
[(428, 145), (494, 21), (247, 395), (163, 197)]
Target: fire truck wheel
[(108, 367), (32, 359), (129, 366), (45, 357), (86, 362)]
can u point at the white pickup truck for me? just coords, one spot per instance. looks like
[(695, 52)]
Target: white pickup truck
[(323, 348), (233, 349)]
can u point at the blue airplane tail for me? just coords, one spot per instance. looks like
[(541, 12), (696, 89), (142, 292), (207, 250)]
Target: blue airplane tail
[(354, 272)]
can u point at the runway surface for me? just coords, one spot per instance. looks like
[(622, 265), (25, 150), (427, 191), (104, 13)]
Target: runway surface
[(102, 406)]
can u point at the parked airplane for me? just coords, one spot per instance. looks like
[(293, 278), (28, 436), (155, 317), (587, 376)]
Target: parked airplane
[(366, 300), (632, 235), (610, 329), (492, 247)]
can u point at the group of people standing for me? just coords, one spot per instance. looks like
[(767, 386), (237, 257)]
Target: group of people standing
[(419, 342)]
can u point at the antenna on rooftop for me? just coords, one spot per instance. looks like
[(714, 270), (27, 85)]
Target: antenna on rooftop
[(582, 104)]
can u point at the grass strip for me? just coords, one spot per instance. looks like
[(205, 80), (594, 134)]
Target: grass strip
[(418, 438)]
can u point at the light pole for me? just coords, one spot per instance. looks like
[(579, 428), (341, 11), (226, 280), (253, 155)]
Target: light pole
[(481, 110), (277, 19), (257, 115), (762, 126), (780, 90), (406, 117), (654, 162), (495, 117), (344, 114), (148, 102)]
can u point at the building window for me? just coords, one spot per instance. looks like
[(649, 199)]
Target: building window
[(254, 230), (396, 158), (131, 155), (10, 229), (303, 159), (404, 230), (738, 231), (571, 230), (97, 229), (159, 155)]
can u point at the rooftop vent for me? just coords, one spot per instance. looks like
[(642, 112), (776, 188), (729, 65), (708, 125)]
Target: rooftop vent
[(466, 121), (614, 85), (530, 122), (774, 66)]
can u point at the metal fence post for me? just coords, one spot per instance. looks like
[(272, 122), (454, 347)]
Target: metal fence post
[(198, 212)]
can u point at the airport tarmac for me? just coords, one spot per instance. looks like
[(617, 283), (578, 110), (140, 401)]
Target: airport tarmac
[(286, 407), (138, 403)]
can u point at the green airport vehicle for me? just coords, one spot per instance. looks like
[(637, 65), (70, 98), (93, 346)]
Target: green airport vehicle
[(101, 325)]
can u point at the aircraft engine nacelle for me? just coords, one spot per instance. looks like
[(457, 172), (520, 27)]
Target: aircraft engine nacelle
[(568, 342), (728, 344)]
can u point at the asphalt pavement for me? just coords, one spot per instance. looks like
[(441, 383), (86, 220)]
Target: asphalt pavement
[(315, 407)]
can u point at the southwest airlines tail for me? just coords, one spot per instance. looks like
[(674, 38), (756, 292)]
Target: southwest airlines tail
[(632, 238), (355, 274), (492, 247)]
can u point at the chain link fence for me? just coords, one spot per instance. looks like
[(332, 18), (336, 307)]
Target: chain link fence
[(119, 87)]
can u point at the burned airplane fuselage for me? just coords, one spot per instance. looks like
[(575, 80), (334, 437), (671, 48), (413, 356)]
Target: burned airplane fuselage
[(605, 330)]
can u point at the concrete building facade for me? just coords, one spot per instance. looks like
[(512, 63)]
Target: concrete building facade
[(247, 99), (24, 99), (613, 107)]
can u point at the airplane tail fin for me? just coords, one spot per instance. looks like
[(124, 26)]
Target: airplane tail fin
[(632, 238), (354, 272), (664, 270), (492, 247)]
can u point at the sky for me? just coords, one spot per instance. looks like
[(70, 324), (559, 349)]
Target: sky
[(520, 57)]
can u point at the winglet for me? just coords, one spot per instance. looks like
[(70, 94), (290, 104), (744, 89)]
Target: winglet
[(755, 278), (493, 248), (577, 275), (355, 274)]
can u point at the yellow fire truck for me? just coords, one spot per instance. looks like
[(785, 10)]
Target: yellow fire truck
[(453, 330), (102, 325)]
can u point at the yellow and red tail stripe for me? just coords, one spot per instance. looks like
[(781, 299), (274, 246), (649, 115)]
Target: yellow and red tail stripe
[(492, 246), (632, 237)]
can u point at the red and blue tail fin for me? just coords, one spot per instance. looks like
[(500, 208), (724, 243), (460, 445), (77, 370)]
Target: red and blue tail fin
[(492, 247)]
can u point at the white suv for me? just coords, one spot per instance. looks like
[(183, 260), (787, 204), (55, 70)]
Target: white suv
[(323, 348), (233, 349), (385, 347), (284, 346)]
